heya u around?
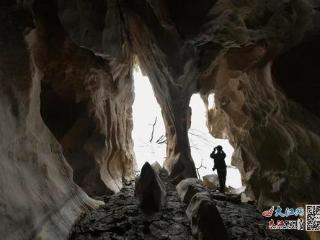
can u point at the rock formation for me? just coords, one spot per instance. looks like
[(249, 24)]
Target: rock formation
[(67, 93), (227, 48), (187, 188), (38, 199), (121, 218), (97, 141), (274, 145), (206, 222), (149, 190)]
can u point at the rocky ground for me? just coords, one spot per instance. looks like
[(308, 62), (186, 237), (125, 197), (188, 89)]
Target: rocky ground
[(244, 221), (122, 219)]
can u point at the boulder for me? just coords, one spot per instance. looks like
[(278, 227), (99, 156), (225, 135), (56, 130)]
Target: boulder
[(149, 190), (187, 188), (206, 222), (211, 181)]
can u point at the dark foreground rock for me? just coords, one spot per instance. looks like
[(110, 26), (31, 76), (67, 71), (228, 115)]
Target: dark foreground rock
[(244, 220), (206, 222), (122, 219), (149, 190)]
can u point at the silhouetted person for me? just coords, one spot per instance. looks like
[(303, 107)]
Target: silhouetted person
[(218, 156)]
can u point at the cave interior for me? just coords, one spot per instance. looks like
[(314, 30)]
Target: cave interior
[(67, 91)]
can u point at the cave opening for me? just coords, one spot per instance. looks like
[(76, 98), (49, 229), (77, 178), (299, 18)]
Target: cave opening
[(150, 138), (148, 127), (202, 142)]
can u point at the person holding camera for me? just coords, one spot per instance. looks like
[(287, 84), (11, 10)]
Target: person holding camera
[(218, 156)]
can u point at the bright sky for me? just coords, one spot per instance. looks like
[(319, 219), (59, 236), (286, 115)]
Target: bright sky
[(146, 110)]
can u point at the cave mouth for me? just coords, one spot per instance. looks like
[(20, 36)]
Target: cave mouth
[(148, 127), (149, 132), (72, 126), (202, 143)]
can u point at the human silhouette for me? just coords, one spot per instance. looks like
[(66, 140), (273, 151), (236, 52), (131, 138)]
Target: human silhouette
[(218, 156)]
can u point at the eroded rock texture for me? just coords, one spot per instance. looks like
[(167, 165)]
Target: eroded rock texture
[(276, 141), (66, 97), (38, 198), (226, 48), (86, 102)]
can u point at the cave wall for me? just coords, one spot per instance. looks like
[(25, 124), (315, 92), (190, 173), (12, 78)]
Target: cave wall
[(167, 59), (212, 48), (97, 91), (67, 93), (276, 139), (38, 196), (296, 69), (135, 25), (66, 121), (230, 53)]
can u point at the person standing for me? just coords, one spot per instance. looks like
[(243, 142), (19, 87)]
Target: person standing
[(218, 156)]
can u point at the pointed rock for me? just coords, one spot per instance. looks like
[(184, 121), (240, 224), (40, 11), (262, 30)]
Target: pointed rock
[(149, 190)]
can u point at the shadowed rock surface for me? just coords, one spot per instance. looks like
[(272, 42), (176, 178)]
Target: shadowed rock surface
[(187, 188), (66, 99), (122, 219), (205, 220), (149, 190)]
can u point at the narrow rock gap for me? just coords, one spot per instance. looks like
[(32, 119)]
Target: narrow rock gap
[(202, 142), (148, 133), (150, 138)]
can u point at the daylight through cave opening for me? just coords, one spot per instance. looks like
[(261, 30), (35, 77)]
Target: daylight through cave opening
[(149, 133), (202, 141), (148, 127)]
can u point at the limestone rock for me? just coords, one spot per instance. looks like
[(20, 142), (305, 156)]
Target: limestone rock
[(206, 222), (66, 108), (211, 181), (187, 188), (38, 197), (86, 102), (240, 51), (150, 190)]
